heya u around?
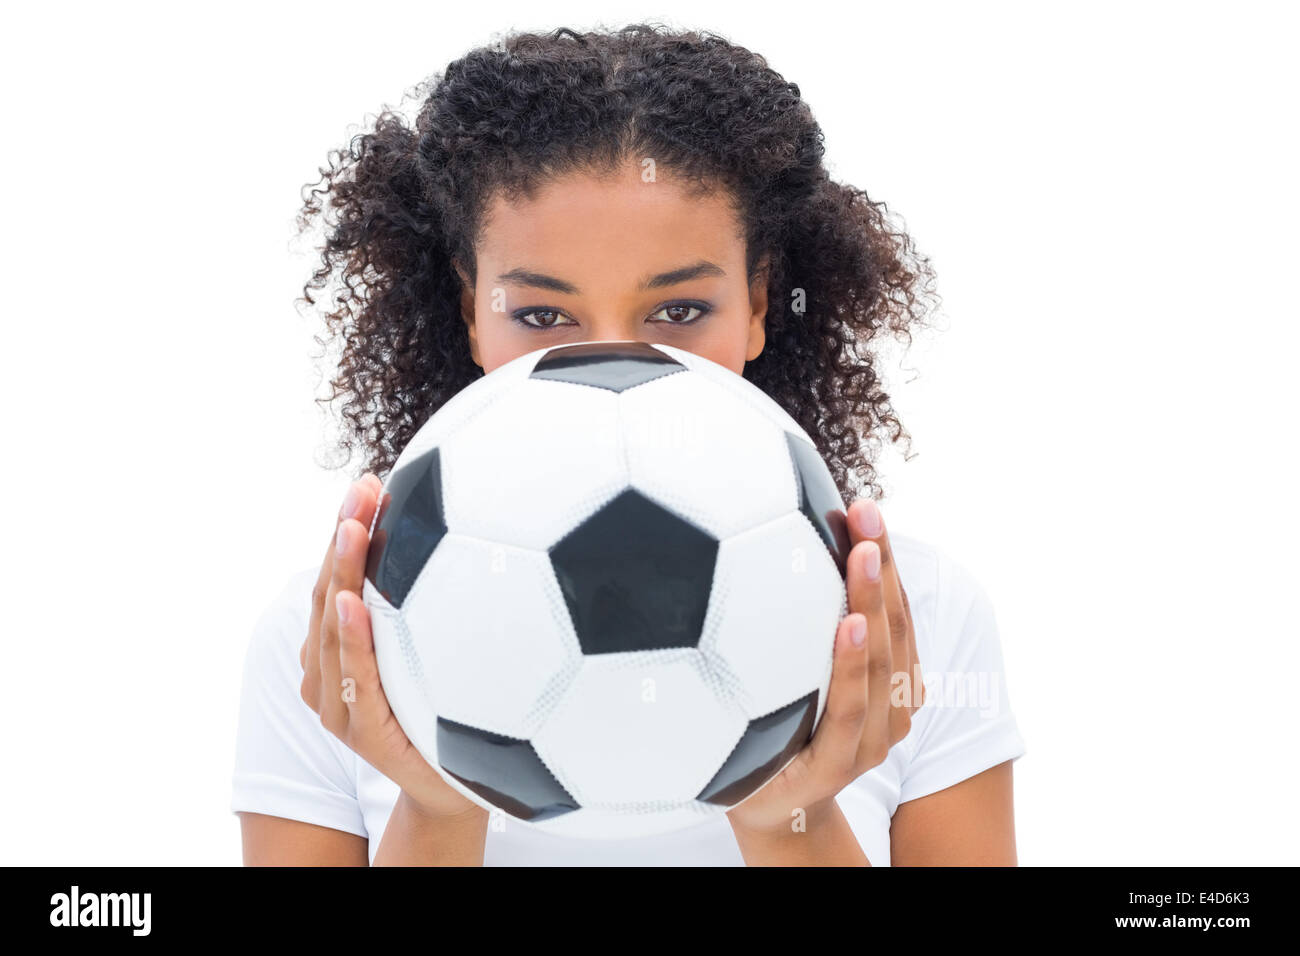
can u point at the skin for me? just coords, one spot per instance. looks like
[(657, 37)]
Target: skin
[(578, 262)]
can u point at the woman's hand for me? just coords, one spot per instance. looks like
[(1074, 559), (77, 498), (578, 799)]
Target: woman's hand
[(874, 642), (340, 648)]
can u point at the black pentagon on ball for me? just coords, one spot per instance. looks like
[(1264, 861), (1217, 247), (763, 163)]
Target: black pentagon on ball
[(764, 748), (505, 771), (819, 499), (636, 577), (616, 366), (409, 526)]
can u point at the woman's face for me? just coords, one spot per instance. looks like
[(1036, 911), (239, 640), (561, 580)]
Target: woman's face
[(613, 258)]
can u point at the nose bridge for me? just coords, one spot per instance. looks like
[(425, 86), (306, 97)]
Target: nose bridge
[(611, 317), (606, 326)]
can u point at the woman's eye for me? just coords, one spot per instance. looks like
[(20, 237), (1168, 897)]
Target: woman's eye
[(545, 318), (678, 313)]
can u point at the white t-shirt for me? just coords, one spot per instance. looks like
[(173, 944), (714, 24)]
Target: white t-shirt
[(288, 765)]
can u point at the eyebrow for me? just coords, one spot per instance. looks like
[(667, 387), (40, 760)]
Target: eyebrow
[(699, 270)]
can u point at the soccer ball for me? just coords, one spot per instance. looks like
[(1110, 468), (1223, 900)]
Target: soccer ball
[(604, 582)]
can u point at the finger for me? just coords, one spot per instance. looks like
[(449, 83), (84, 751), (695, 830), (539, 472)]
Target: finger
[(877, 729), (867, 597), (834, 747), (863, 519), (360, 688), (376, 487), (311, 646), (902, 634), (868, 522), (320, 593), (864, 584), (351, 545)]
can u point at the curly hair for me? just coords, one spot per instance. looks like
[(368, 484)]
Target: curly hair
[(508, 117)]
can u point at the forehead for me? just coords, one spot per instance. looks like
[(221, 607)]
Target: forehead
[(604, 222)]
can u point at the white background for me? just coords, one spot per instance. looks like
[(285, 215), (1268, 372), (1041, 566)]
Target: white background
[(1104, 427)]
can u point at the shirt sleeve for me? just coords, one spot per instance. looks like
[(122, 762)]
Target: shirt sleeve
[(965, 725), (286, 763)]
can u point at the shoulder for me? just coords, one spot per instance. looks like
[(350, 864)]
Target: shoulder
[(283, 619), (272, 667), (946, 598), (966, 724), (294, 598), (286, 763)]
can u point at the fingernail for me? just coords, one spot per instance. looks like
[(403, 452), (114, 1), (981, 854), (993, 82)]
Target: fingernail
[(871, 563), (858, 631), (350, 501), (341, 541), (341, 606), (870, 524)]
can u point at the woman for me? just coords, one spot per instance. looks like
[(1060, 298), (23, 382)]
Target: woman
[(637, 184)]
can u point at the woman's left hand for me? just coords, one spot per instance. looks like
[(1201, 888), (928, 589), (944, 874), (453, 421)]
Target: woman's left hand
[(861, 721)]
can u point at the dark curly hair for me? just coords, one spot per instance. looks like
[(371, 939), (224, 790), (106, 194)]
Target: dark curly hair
[(531, 107)]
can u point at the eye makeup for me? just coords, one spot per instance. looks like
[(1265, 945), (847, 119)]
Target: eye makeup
[(521, 316)]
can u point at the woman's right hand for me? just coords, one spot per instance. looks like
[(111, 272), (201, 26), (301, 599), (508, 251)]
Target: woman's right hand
[(340, 646)]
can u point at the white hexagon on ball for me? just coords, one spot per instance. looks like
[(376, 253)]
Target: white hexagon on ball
[(690, 446), (641, 727), (761, 630), (511, 478), (492, 634)]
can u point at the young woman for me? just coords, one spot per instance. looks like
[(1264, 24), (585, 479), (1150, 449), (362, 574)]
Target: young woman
[(636, 184)]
